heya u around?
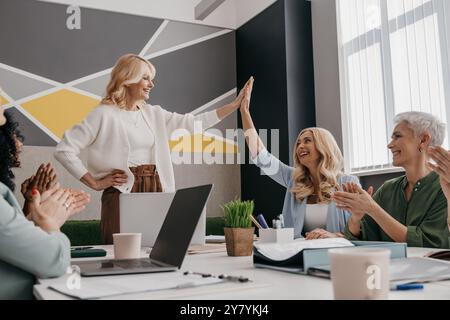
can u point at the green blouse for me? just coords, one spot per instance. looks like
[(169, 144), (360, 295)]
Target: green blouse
[(424, 215)]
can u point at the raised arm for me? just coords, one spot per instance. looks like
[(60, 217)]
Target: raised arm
[(254, 143), (269, 164)]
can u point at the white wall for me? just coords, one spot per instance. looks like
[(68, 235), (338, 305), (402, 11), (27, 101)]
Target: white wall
[(226, 180), (247, 9), (326, 67), (231, 14)]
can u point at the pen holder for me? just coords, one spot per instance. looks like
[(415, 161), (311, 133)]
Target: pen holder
[(276, 235)]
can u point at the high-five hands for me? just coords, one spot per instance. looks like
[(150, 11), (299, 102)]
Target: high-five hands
[(245, 103)]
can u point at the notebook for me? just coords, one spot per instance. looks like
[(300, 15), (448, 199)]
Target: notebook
[(311, 256)]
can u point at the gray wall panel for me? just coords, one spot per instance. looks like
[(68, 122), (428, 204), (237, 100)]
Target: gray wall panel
[(34, 136), (191, 77), (96, 86), (186, 79), (18, 86), (43, 45), (177, 33)]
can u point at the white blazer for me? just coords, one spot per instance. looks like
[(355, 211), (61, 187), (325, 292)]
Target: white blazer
[(103, 135)]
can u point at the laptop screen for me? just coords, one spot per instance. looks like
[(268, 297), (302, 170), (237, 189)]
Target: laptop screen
[(176, 232)]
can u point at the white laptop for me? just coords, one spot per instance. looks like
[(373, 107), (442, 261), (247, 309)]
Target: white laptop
[(171, 244), (145, 213)]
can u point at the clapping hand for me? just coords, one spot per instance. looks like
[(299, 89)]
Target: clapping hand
[(52, 208), (442, 167), (354, 199), (42, 180)]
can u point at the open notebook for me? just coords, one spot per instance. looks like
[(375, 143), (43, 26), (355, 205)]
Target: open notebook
[(296, 256), (311, 256), (279, 252)]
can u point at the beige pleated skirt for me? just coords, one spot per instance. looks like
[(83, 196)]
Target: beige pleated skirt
[(146, 179)]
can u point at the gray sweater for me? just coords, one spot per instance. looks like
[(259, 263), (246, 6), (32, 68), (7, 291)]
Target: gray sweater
[(26, 251)]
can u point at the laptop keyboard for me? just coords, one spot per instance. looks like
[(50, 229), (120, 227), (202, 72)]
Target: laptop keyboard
[(135, 263)]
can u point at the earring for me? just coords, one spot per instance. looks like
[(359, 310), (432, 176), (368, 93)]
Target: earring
[(420, 149)]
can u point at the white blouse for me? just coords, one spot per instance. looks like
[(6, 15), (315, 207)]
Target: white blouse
[(316, 216), (103, 136), (140, 138)]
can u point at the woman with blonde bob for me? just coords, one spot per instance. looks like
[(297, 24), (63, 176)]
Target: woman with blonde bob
[(316, 175), (127, 140)]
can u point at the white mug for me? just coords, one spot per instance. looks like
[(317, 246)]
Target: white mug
[(127, 245), (360, 273)]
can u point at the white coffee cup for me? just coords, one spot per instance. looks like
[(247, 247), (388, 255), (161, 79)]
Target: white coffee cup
[(127, 245), (360, 273)]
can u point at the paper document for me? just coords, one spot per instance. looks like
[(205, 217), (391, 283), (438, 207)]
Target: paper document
[(405, 270), (100, 287), (419, 270), (279, 252), (215, 239)]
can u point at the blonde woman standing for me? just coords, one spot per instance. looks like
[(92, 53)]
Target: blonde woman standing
[(127, 140), (316, 175)]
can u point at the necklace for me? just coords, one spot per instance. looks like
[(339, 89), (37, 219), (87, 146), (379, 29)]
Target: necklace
[(134, 117)]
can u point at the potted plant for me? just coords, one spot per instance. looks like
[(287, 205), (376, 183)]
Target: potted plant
[(238, 227)]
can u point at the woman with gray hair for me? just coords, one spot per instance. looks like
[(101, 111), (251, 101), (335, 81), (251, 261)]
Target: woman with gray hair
[(411, 208)]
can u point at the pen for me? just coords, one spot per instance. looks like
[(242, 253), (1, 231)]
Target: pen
[(233, 278), (222, 276), (204, 275), (262, 221), (255, 222), (407, 286)]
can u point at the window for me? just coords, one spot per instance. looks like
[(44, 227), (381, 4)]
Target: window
[(393, 57)]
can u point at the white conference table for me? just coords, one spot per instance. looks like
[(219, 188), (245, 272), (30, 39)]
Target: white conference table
[(266, 284)]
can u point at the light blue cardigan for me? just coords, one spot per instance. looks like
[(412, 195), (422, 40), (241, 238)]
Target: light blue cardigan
[(26, 251), (293, 210)]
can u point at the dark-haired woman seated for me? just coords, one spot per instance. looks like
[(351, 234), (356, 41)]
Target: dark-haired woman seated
[(32, 247), (42, 180)]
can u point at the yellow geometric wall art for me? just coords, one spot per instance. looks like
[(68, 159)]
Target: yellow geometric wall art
[(60, 110), (3, 100), (201, 143)]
